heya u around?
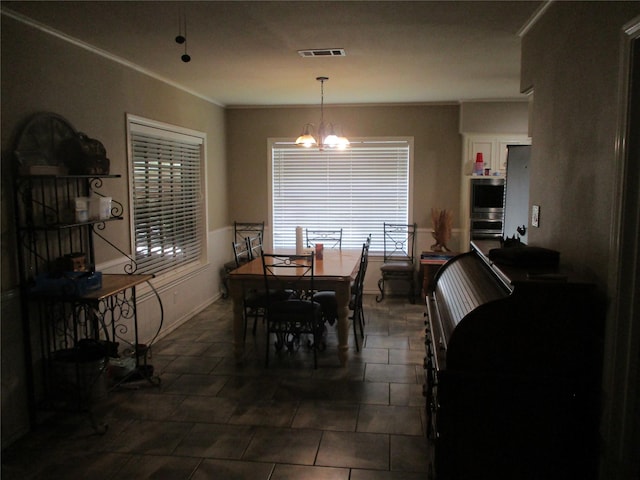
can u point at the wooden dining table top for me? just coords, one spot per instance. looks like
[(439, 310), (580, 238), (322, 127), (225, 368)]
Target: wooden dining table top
[(336, 264)]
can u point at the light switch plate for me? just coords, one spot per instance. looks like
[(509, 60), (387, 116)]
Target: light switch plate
[(535, 216)]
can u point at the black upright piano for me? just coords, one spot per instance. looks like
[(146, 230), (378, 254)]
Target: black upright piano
[(512, 371)]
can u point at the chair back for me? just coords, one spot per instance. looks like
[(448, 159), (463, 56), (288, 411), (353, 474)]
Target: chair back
[(367, 244), (254, 243), (329, 238), (365, 255), (290, 311), (362, 271), (293, 273), (399, 242), (242, 230), (241, 252)]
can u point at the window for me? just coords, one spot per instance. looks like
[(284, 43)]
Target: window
[(357, 189), (168, 217)]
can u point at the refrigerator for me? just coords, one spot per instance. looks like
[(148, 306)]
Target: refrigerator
[(516, 196)]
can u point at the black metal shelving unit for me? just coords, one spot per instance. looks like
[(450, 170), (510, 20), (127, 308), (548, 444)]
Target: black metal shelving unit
[(74, 319)]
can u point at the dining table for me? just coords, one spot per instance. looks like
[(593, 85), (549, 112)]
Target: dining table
[(335, 271)]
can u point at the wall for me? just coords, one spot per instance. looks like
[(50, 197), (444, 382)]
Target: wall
[(571, 58), (44, 73), (494, 117), (437, 148), (437, 151)]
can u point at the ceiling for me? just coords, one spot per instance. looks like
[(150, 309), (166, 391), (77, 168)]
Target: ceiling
[(244, 53)]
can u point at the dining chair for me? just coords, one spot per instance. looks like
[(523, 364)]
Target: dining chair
[(241, 231), (329, 238), (241, 254), (247, 229), (327, 298), (292, 317), (254, 244), (253, 300), (398, 260)]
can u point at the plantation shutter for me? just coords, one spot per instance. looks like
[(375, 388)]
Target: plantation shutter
[(356, 189)]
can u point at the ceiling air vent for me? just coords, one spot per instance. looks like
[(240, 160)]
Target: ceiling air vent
[(323, 52)]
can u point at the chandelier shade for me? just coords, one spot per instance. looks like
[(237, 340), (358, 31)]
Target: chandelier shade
[(306, 139), (326, 137)]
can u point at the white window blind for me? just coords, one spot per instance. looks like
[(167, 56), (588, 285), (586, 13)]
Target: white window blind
[(168, 219), (356, 189)]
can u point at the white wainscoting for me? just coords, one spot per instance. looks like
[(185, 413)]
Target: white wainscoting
[(183, 294)]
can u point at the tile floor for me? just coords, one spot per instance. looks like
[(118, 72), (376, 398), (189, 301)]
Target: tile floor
[(213, 419)]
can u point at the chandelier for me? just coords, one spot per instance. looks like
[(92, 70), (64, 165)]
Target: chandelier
[(327, 137)]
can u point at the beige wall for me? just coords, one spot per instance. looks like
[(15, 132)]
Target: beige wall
[(571, 58), (43, 73), (494, 117), (437, 150)]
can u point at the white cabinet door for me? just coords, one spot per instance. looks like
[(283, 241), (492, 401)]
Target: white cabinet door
[(483, 146), (493, 149), (502, 144), (494, 155)]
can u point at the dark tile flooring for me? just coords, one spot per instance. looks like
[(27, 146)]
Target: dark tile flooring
[(214, 419)]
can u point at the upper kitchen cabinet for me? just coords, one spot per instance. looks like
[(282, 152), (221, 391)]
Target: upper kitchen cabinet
[(494, 151)]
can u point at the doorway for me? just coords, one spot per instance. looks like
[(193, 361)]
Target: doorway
[(621, 419)]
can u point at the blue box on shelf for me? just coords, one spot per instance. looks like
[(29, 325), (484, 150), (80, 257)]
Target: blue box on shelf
[(69, 284)]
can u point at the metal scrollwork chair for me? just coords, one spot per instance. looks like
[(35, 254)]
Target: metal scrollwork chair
[(398, 262), (330, 305), (247, 229), (329, 238), (254, 300), (241, 231), (292, 317), (241, 254), (254, 244)]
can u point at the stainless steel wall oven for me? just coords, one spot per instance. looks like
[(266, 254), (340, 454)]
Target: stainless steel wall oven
[(487, 207)]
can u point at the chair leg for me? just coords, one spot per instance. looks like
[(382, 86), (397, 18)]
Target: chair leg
[(411, 293), (244, 320), (255, 320), (316, 341), (361, 321), (380, 297), (225, 283), (266, 361), (355, 334), (412, 290)]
